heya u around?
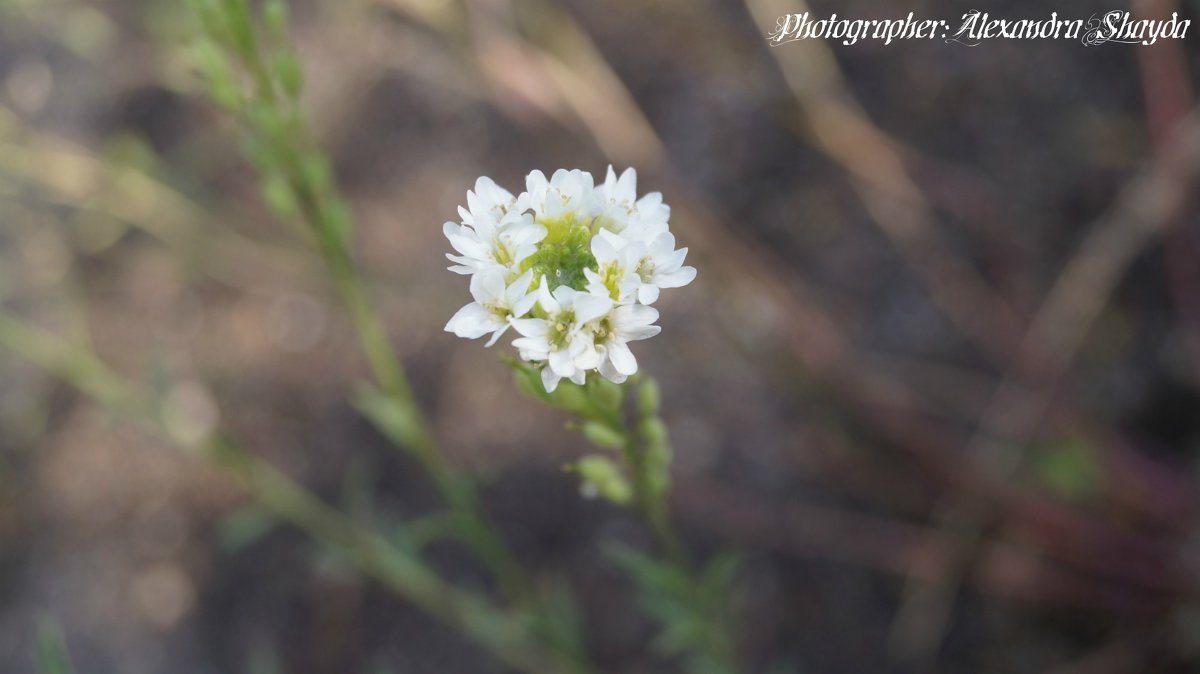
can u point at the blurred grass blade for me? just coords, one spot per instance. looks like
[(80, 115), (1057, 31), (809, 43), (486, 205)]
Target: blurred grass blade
[(52, 650)]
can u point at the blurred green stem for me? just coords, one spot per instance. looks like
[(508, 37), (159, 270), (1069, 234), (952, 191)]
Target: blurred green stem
[(649, 500), (285, 154), (647, 454), (640, 439), (502, 632)]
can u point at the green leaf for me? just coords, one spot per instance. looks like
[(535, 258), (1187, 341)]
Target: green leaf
[(244, 527), (1069, 469), (396, 422), (52, 651), (719, 573), (557, 620), (239, 26)]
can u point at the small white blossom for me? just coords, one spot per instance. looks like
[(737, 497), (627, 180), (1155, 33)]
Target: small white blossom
[(489, 247), (599, 253), (495, 304), (491, 204), (619, 209), (562, 339), (567, 192), (658, 265), (615, 267), (495, 233), (612, 333), (636, 270)]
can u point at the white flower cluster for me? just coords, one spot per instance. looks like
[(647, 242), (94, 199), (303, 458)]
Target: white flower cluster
[(570, 265)]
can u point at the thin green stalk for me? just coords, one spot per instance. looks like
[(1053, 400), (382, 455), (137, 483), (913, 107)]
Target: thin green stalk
[(671, 589), (502, 632), (286, 155), (651, 503)]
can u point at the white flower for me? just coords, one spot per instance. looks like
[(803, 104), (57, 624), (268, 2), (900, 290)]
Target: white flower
[(612, 333), (495, 303), (486, 246), (636, 270), (492, 204), (659, 266), (566, 193), (562, 339), (619, 209), (495, 233), (615, 264), (600, 255)]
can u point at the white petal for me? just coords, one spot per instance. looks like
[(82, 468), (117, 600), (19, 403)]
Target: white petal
[(676, 279), (647, 293), (663, 245), (603, 249), (546, 298), (606, 369), (589, 307), (622, 358), (519, 289), (549, 379), (470, 322), (532, 348), (675, 260), (627, 185), (565, 296), (496, 335), (562, 363), (531, 327), (633, 316), (488, 286)]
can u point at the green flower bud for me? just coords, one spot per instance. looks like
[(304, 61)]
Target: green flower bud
[(278, 195), (603, 435), (528, 382), (220, 80), (275, 18), (571, 398), (287, 71), (654, 432), (658, 467), (601, 477), (605, 394), (649, 398)]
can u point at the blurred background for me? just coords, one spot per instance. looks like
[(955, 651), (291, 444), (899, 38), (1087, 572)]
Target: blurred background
[(937, 378)]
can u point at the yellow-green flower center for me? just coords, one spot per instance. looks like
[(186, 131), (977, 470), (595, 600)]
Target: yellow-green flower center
[(564, 253), (602, 331), (560, 330)]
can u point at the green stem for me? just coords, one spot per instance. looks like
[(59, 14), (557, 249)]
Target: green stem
[(416, 438), (651, 504), (319, 208), (650, 499), (501, 632)]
